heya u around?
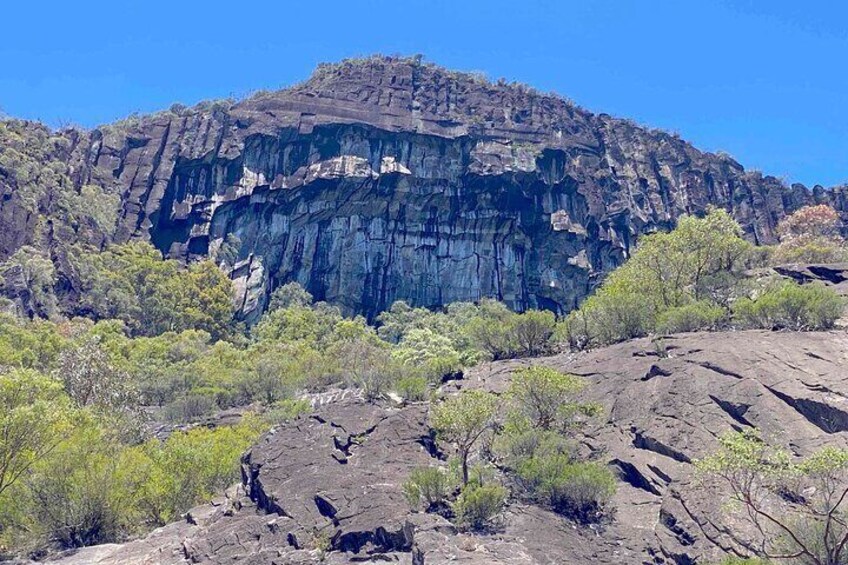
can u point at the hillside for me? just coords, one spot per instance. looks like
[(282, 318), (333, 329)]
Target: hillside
[(660, 414)]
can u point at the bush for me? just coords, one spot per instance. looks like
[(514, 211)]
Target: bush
[(614, 313), (519, 441), (412, 388), (810, 250), (543, 395), (532, 332), (578, 490), (478, 506), (284, 411), (693, 317), (367, 366), (790, 306), (462, 420), (701, 259), (431, 354), (427, 488)]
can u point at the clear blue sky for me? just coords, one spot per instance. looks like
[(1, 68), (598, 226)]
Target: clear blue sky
[(765, 80)]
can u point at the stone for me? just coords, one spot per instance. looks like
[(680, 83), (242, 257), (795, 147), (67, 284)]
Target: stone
[(333, 479), (389, 179)]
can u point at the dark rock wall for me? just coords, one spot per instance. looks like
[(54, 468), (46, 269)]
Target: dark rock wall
[(388, 179)]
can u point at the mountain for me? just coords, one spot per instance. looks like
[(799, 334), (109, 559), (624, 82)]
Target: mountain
[(377, 180)]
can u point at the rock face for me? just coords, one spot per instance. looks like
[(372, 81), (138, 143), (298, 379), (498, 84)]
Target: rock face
[(385, 179), (333, 480)]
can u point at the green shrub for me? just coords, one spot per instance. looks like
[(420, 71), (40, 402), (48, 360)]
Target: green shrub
[(810, 250), (532, 332), (578, 490), (701, 259), (519, 441), (790, 306), (614, 313), (544, 396), (428, 488), (462, 420), (429, 353), (477, 506), (693, 317), (80, 495), (412, 388), (286, 410)]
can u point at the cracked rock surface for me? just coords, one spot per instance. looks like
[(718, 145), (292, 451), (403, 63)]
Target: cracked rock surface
[(336, 475)]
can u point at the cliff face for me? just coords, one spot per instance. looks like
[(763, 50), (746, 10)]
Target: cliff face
[(389, 179)]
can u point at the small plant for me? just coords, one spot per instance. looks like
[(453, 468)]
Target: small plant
[(478, 505), (428, 488), (790, 306), (462, 420), (701, 315), (412, 388), (578, 490), (544, 396)]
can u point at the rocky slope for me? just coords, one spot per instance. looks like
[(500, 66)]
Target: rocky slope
[(385, 179), (332, 481)]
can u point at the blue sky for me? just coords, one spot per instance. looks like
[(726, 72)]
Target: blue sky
[(766, 81)]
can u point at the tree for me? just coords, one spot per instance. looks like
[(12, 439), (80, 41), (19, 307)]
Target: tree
[(701, 259), (91, 380), (796, 507), (288, 295), (133, 283), (462, 420), (428, 352), (34, 418), (532, 331), (30, 276), (545, 397), (366, 365), (810, 221), (811, 235)]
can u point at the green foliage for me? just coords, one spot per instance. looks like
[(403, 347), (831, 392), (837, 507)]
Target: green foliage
[(134, 284), (286, 410), (478, 505), (81, 494), (428, 488), (578, 490), (790, 306), (412, 388), (289, 295), (701, 259), (187, 468), (366, 365), (545, 397), (35, 417), (760, 478), (29, 276), (462, 420), (34, 345), (697, 316), (427, 353)]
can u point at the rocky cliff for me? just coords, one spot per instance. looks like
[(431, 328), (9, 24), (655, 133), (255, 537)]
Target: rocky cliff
[(386, 179)]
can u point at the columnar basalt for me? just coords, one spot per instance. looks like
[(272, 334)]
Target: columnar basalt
[(386, 179)]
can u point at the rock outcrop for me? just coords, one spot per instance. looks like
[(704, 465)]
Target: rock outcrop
[(331, 482), (385, 179)]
